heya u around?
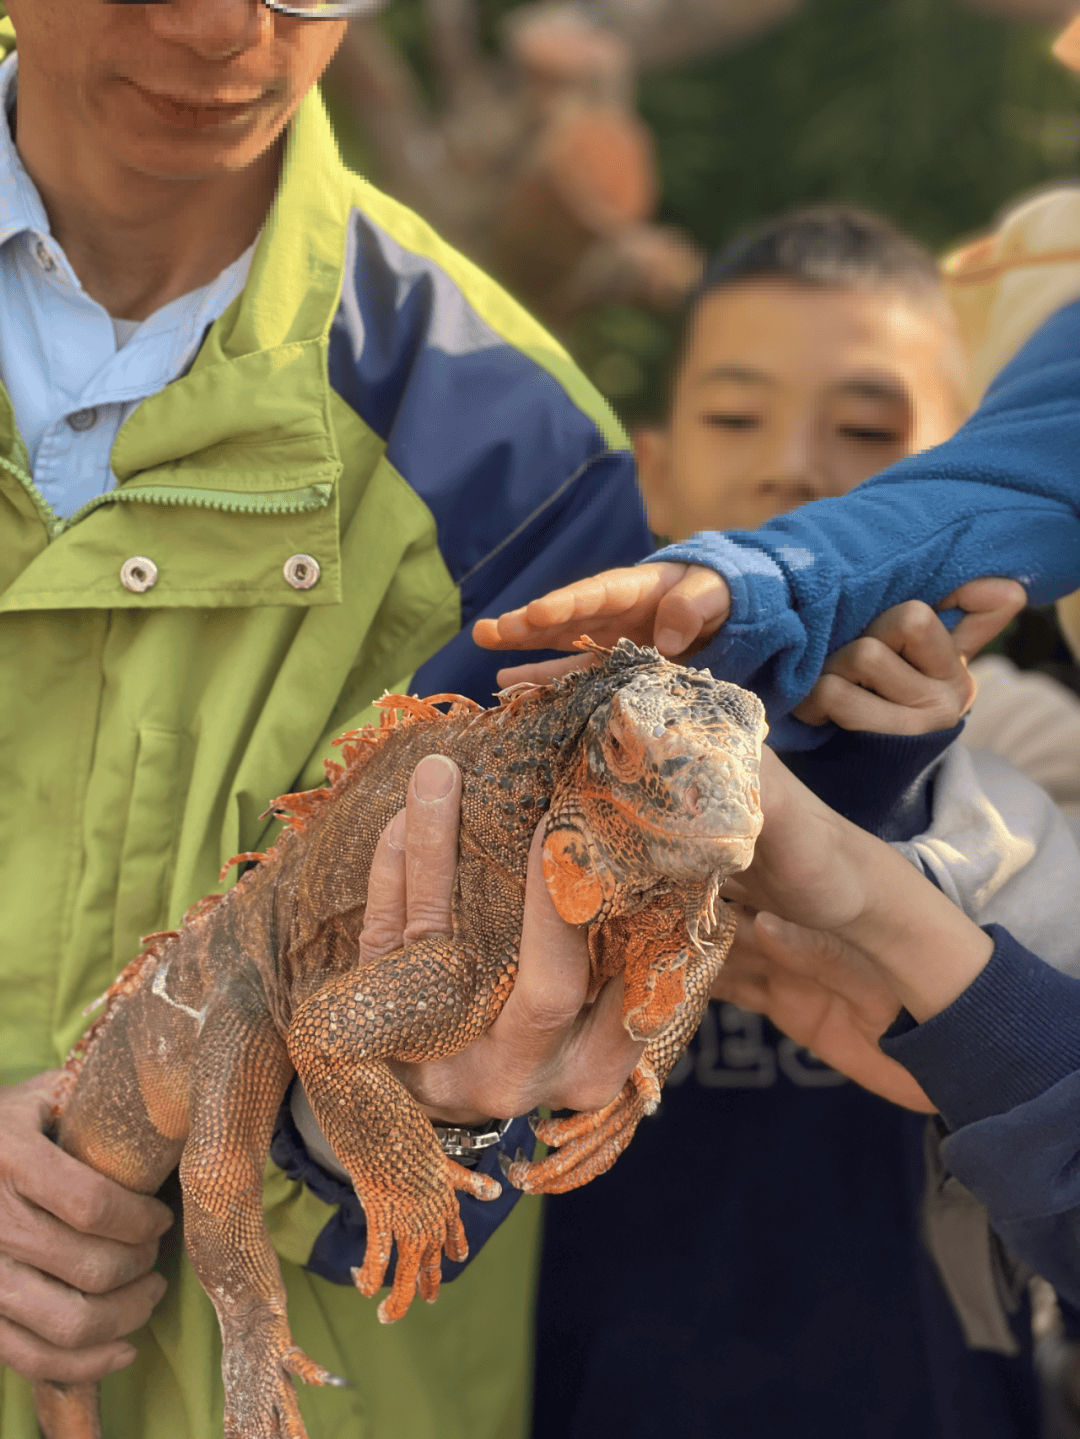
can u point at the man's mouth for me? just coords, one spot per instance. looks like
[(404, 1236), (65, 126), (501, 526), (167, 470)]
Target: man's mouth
[(201, 113)]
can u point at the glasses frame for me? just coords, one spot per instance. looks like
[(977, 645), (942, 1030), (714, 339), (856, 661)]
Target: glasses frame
[(346, 10)]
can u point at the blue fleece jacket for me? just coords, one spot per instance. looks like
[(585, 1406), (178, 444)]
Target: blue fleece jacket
[(1002, 497)]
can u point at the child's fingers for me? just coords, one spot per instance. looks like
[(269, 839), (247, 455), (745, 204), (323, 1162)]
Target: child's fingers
[(693, 610), (543, 672), (915, 632), (853, 708), (989, 605), (607, 606)]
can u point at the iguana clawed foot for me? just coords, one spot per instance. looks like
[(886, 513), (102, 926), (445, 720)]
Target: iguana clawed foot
[(260, 1399), (586, 1145), (422, 1230)]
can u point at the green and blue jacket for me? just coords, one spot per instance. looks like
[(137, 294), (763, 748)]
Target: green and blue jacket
[(373, 401)]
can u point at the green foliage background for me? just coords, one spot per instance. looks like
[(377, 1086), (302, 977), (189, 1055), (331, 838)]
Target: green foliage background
[(936, 115)]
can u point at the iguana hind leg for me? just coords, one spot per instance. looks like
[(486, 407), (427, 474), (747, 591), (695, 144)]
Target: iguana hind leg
[(339, 1041), (666, 988), (239, 1078)]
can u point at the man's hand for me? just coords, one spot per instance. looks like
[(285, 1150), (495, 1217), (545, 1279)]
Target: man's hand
[(546, 1047), (824, 994), (76, 1251), (677, 608), (907, 674)]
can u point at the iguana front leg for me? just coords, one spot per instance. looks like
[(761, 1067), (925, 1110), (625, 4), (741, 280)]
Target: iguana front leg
[(666, 981), (240, 1073), (420, 1003)]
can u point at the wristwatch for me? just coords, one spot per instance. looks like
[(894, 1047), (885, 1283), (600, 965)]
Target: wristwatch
[(467, 1142)]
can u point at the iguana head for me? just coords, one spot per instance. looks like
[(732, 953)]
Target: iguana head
[(665, 788)]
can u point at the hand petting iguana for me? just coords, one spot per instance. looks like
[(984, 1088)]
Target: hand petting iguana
[(648, 776)]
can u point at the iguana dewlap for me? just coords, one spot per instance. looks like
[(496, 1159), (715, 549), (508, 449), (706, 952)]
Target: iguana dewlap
[(645, 774)]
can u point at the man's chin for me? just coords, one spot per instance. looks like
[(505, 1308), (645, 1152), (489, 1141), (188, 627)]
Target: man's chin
[(170, 142)]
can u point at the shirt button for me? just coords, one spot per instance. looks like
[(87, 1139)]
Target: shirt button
[(80, 420), (138, 574), (44, 259), (302, 571)]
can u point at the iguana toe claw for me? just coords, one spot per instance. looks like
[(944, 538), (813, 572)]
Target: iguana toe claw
[(298, 1363)]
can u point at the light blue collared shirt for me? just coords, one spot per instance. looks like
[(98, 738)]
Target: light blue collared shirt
[(74, 373)]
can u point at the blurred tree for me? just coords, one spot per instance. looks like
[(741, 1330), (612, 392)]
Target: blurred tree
[(934, 111), (529, 154)]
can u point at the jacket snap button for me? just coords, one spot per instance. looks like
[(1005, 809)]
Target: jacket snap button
[(302, 571), (82, 419), (138, 574), (44, 259)]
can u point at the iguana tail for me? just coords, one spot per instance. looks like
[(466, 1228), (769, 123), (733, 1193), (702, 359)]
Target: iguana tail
[(67, 1411)]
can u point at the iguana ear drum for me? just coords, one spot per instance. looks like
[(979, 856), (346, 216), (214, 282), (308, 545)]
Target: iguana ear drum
[(571, 877)]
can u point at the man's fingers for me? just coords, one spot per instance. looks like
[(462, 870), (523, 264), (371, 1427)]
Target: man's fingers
[(85, 1200), (693, 610), (384, 913), (989, 605), (35, 1358), (601, 1058), (432, 812), (553, 967), (57, 1246), (69, 1318)]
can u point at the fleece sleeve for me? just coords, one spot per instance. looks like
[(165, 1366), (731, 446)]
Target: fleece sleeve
[(1002, 1063), (1002, 497)]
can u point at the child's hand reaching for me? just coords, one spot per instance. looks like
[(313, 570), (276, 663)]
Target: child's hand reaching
[(677, 608), (824, 994)]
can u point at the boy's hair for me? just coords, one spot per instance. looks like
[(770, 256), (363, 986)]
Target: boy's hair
[(815, 245), (823, 245)]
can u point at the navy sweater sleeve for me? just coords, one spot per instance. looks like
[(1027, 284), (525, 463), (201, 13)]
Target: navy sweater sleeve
[(341, 1244), (882, 782), (1002, 1063), (1002, 497)]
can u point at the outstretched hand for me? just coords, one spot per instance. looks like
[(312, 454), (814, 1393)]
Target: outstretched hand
[(546, 1046), (824, 994), (677, 608)]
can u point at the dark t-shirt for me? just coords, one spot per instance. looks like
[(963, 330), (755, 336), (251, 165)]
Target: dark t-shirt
[(751, 1269)]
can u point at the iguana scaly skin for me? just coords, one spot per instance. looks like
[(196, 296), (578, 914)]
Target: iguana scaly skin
[(648, 776)]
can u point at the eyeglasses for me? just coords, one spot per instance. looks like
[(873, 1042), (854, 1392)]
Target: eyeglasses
[(326, 9), (302, 9)]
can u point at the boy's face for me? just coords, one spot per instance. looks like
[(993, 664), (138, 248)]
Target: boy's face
[(179, 90), (789, 393)]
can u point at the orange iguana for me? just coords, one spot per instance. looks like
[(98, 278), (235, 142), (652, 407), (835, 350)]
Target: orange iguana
[(648, 774)]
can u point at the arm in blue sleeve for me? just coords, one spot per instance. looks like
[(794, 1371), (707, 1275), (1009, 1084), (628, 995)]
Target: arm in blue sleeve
[(884, 783), (1002, 1063), (1002, 497)]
